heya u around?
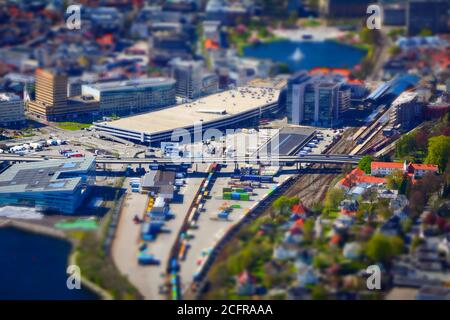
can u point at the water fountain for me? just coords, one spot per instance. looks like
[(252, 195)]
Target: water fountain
[(297, 55)]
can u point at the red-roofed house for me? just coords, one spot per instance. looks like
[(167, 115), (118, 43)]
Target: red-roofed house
[(298, 209), (359, 178), (415, 170)]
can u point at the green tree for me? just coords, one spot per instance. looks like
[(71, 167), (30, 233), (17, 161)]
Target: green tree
[(333, 198), (381, 248), (394, 180), (425, 32), (383, 210), (292, 19), (283, 205), (407, 225), (405, 146), (319, 293), (308, 229), (395, 50), (438, 151), (364, 163)]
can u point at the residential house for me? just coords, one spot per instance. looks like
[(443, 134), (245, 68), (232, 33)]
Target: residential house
[(414, 170), (358, 178), (399, 205), (307, 277), (349, 207), (352, 250), (285, 251), (246, 284)]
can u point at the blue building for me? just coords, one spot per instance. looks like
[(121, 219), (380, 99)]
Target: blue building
[(50, 185)]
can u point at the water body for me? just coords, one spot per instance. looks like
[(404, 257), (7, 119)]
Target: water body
[(33, 266), (300, 55)]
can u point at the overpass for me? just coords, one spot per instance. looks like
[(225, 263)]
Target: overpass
[(264, 160)]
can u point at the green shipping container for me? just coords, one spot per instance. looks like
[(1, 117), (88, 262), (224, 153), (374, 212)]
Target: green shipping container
[(240, 190), (245, 197), (226, 190)]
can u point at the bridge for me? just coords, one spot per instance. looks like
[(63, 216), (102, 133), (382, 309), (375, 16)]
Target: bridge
[(264, 160)]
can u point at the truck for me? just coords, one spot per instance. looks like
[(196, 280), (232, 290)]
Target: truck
[(222, 215), (145, 258)]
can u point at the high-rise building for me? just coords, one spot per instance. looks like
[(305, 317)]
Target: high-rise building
[(12, 112), (188, 75), (296, 96), (316, 100), (406, 110), (426, 15), (394, 12), (210, 84), (51, 103)]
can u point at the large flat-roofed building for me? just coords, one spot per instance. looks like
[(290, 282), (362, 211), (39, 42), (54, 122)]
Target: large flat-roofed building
[(217, 111), (51, 185), (51, 103), (12, 112), (131, 96)]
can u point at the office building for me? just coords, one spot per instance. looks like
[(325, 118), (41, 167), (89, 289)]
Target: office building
[(344, 8), (317, 99), (426, 15), (188, 76), (54, 185), (210, 84), (227, 12), (131, 96), (394, 12), (406, 111), (52, 104), (12, 111)]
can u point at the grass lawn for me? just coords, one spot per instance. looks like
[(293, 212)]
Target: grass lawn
[(73, 125), (311, 23)]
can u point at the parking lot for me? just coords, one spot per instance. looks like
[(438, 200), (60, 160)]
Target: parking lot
[(149, 278), (210, 228)]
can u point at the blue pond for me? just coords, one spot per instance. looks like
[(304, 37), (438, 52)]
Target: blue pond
[(34, 266), (307, 55)]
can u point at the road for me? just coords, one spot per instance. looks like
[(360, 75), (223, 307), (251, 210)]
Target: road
[(282, 160), (381, 56)]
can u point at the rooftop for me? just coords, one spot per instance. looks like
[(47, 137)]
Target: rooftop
[(205, 109), (405, 97), (4, 97), (43, 175), (132, 84)]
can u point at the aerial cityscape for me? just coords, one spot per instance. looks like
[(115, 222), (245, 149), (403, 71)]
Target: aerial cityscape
[(254, 150)]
